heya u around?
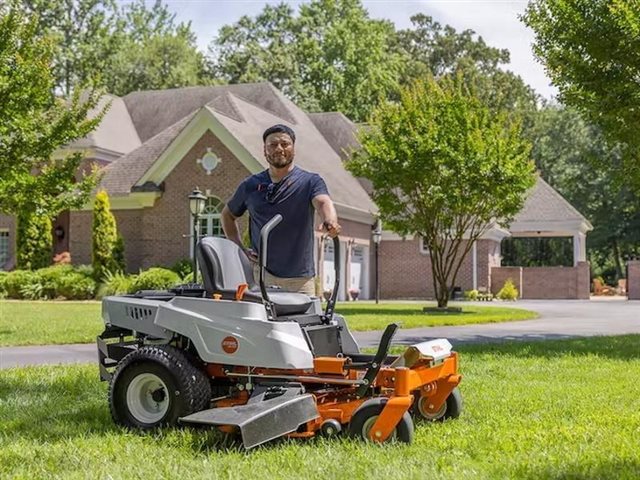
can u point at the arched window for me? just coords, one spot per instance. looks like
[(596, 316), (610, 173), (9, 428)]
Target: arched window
[(210, 224)]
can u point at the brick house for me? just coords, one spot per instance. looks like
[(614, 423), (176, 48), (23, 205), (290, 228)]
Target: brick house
[(155, 147)]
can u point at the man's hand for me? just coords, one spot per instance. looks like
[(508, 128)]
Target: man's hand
[(332, 228), (253, 256)]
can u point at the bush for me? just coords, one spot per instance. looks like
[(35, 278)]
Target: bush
[(104, 237), (183, 267), (51, 278), (508, 291), (118, 255), (116, 284), (3, 291), (86, 270), (16, 281), (156, 279), (76, 286), (471, 295), (35, 241)]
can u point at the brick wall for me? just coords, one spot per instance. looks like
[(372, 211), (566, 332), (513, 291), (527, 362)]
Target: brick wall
[(633, 280), (545, 282), (405, 272)]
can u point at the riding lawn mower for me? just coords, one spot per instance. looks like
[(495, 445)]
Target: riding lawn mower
[(263, 363)]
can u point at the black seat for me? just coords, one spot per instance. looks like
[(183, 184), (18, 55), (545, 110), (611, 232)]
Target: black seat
[(224, 266)]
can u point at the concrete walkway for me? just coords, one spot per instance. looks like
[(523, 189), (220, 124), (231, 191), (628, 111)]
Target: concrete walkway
[(558, 319)]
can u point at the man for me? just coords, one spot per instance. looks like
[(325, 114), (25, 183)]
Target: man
[(294, 193)]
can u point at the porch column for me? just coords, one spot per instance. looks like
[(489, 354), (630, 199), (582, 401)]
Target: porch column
[(579, 248), (475, 265)]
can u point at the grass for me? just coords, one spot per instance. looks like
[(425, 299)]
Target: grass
[(543, 410), (362, 317), (53, 323)]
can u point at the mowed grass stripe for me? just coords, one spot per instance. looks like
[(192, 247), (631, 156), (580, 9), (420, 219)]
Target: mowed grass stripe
[(558, 409), (55, 323)]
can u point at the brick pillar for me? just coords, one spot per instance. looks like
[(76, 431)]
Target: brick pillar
[(583, 280), (633, 279)]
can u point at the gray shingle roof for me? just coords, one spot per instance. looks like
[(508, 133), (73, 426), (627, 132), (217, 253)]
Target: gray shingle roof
[(120, 176), (544, 204)]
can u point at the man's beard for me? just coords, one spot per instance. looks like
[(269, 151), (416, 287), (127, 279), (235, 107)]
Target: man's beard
[(279, 161)]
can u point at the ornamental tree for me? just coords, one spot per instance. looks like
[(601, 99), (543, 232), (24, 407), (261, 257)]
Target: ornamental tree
[(104, 238), (444, 167)]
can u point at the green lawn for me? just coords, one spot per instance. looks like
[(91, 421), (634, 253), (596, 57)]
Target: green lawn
[(545, 410), (47, 322)]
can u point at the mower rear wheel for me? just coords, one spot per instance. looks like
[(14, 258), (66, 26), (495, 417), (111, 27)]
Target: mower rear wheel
[(154, 386), (366, 416), (451, 408)]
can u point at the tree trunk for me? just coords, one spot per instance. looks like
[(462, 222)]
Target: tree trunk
[(617, 260)]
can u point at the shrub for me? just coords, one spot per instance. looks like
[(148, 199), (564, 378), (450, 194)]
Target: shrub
[(116, 284), (16, 281), (76, 286), (183, 267), (155, 279), (118, 255), (508, 291), (104, 237), (86, 270), (51, 278), (471, 295), (35, 241), (3, 291)]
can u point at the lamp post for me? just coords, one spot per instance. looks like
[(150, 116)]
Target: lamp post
[(196, 206), (377, 236)]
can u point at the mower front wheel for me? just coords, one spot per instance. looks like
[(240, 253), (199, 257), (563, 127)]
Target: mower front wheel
[(366, 416), (156, 385), (451, 408)]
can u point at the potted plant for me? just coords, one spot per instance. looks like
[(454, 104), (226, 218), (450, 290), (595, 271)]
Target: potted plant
[(354, 293)]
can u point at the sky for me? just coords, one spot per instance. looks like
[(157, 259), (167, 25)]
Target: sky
[(495, 20)]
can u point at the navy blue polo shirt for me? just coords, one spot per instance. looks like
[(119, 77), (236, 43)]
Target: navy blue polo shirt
[(290, 252)]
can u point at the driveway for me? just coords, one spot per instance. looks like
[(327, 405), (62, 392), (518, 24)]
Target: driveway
[(558, 319)]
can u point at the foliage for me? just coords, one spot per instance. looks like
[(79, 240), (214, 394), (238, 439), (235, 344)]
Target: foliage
[(537, 251), (330, 57), (443, 166), (3, 290), (508, 291), (183, 267), (122, 48), (118, 254), (591, 51), (16, 280), (34, 240), (35, 125), (575, 159), (116, 283), (104, 237), (58, 281), (155, 279), (471, 295)]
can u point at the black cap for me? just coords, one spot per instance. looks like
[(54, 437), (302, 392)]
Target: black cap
[(279, 128)]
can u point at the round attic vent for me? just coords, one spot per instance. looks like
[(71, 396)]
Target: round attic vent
[(209, 161)]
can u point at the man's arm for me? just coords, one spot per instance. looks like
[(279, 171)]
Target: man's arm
[(325, 208), (230, 227)]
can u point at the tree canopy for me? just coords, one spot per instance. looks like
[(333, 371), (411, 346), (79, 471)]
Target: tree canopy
[(591, 51), (35, 124), (444, 167)]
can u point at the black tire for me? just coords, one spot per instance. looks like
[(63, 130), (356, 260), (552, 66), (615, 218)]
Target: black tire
[(452, 408), (364, 418), (154, 386)]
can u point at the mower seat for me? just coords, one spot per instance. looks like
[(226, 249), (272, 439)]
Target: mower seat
[(224, 266)]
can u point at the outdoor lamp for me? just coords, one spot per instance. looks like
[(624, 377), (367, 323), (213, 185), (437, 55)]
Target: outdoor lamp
[(196, 205), (196, 202), (376, 234)]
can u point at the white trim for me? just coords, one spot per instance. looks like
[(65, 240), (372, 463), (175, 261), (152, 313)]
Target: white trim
[(132, 201), (205, 120), (351, 213), (495, 233), (561, 227)]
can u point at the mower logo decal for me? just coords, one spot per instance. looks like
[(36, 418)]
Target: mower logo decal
[(230, 344)]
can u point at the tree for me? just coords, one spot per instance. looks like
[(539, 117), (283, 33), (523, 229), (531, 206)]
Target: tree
[(446, 168), (122, 48), (34, 241), (574, 158), (35, 125), (591, 51), (331, 57), (104, 238)]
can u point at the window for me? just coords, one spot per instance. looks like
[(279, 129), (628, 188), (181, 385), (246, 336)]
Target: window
[(424, 248), (209, 221), (4, 248)]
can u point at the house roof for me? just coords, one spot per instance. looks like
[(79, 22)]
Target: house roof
[(245, 111), (545, 210)]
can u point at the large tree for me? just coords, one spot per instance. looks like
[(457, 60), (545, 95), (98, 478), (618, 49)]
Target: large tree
[(446, 168), (591, 51), (121, 48), (331, 56), (35, 177)]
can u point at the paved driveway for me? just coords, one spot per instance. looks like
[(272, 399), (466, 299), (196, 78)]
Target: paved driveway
[(558, 319)]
